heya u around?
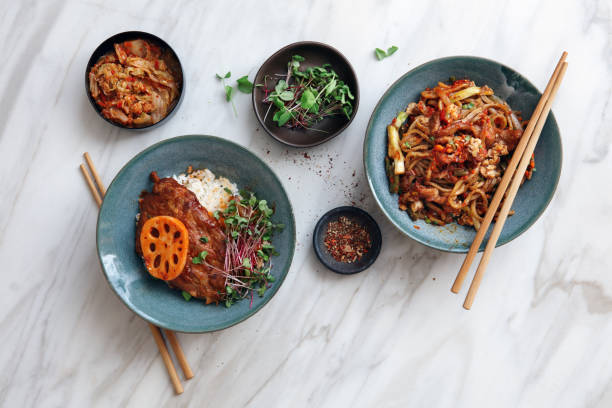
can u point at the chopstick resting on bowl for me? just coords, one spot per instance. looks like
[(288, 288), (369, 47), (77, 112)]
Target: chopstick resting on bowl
[(508, 186), (98, 191)]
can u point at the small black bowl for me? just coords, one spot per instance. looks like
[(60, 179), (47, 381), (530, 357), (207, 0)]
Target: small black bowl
[(359, 216), (316, 54), (108, 45)]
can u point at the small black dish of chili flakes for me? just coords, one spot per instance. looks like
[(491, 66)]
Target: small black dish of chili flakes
[(347, 240)]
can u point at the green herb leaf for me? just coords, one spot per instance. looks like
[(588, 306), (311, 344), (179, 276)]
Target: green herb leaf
[(331, 86), (244, 85), (228, 191), (308, 99), (298, 58), (246, 262), (380, 54), (186, 296), (286, 95), (228, 92), (277, 115), (204, 240), (277, 102), (407, 145), (283, 117), (216, 214), (229, 74), (281, 86), (391, 50), (196, 260)]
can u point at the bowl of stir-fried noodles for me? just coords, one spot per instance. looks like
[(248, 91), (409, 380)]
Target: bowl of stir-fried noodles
[(437, 145), (134, 80)]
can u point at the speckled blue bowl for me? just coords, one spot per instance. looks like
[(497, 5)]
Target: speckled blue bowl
[(151, 299), (532, 198)]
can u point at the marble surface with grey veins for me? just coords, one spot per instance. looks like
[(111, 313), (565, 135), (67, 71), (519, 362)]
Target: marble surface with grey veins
[(539, 334)]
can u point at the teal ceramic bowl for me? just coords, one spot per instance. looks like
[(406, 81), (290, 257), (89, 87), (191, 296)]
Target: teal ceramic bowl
[(533, 196), (152, 299)]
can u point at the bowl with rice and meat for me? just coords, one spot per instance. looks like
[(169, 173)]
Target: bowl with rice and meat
[(195, 234)]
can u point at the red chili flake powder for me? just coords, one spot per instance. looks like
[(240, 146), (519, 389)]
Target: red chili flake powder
[(346, 241)]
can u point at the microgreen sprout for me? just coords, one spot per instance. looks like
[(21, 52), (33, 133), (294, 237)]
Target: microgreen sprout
[(248, 231), (381, 54), (229, 91), (244, 85)]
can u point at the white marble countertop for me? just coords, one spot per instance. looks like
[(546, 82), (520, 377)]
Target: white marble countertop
[(393, 336)]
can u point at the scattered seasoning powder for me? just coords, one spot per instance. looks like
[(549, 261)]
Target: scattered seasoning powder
[(347, 241)]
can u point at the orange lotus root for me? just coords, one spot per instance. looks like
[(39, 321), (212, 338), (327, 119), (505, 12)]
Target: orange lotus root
[(164, 242)]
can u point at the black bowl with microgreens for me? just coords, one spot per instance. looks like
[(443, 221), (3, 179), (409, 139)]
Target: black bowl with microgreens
[(305, 94), (347, 240)]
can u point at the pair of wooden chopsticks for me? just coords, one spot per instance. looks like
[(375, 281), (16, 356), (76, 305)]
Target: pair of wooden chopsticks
[(515, 171), (98, 191)]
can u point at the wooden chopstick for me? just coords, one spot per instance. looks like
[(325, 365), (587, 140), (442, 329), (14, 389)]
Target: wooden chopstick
[(161, 345), (513, 189), (178, 352), (159, 340), (95, 173), (505, 181), (92, 187)]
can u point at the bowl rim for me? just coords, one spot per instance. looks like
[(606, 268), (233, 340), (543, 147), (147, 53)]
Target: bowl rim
[(91, 62), (417, 238), (274, 289), (355, 93), (349, 209)]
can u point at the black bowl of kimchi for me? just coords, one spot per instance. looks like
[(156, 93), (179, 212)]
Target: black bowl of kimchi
[(134, 80)]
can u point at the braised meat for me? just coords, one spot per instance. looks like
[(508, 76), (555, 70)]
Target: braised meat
[(168, 197)]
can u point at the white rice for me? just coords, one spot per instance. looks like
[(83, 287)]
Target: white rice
[(209, 189)]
